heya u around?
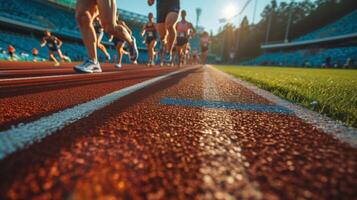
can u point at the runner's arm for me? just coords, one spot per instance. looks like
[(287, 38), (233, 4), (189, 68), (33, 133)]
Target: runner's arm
[(43, 42), (194, 31), (143, 30), (111, 38), (59, 41), (127, 28)]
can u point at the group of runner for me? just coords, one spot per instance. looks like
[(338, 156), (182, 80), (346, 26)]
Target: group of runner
[(96, 17)]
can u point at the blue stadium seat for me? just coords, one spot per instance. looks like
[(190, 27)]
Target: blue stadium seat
[(343, 26)]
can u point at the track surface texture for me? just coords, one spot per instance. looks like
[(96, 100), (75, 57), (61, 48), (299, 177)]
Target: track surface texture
[(194, 135)]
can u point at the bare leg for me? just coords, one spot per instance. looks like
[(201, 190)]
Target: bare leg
[(163, 35), (107, 14), (119, 48), (203, 58), (103, 49), (179, 54), (170, 25), (52, 57), (101, 46), (85, 13), (59, 52), (151, 48)]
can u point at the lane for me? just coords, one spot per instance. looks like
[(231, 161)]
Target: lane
[(23, 135), (22, 70), (138, 148), (27, 100)]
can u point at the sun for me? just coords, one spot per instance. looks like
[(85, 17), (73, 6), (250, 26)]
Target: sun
[(230, 10)]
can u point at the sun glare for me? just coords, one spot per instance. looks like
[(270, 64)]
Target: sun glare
[(229, 11)]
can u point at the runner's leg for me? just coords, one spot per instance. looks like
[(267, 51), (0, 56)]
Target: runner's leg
[(161, 29), (170, 26), (119, 48), (102, 47), (107, 15), (85, 13)]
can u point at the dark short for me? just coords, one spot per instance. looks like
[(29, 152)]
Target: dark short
[(100, 35), (148, 40), (117, 41), (53, 48), (180, 41), (165, 7), (204, 48)]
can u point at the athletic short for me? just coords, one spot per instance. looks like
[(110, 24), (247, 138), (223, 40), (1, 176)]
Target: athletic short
[(204, 48), (116, 41), (164, 7), (181, 41), (148, 40), (100, 35), (53, 48)]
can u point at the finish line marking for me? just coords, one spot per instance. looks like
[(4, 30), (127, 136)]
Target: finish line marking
[(226, 105), (23, 135)]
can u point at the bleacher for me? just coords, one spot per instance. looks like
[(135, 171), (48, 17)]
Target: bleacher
[(335, 41), (306, 57), (61, 21), (345, 25)]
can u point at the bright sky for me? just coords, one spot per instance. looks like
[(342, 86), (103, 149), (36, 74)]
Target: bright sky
[(212, 10)]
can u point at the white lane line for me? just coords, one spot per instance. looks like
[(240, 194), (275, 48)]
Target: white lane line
[(53, 76), (223, 167), (334, 128), (24, 135)]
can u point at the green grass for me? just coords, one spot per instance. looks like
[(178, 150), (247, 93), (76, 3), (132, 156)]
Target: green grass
[(335, 90)]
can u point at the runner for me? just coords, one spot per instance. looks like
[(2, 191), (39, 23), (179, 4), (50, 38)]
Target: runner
[(100, 34), (194, 56), (167, 15), (119, 44), (11, 51), (34, 52), (54, 46), (149, 31), (204, 43), (184, 31), (86, 11)]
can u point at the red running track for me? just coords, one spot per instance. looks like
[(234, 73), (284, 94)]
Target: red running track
[(138, 148)]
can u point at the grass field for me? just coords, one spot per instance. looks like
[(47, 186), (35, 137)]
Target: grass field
[(335, 90)]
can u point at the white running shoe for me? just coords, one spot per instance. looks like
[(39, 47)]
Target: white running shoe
[(88, 67), (118, 66)]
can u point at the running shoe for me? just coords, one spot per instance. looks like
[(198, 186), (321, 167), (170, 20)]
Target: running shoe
[(168, 58), (88, 67), (57, 64), (118, 66), (67, 59), (133, 51), (108, 57)]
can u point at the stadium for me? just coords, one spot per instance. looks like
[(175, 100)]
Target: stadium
[(240, 99)]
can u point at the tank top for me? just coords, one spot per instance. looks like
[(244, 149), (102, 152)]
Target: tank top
[(205, 41), (150, 30), (183, 29), (51, 41), (97, 26)]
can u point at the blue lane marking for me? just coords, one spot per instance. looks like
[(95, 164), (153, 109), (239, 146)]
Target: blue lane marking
[(225, 105)]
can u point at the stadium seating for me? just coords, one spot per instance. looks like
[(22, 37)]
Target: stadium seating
[(60, 20), (39, 13), (343, 26), (308, 56)]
